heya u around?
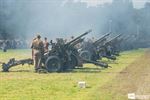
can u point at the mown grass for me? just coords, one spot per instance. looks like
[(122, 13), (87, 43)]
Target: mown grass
[(23, 84)]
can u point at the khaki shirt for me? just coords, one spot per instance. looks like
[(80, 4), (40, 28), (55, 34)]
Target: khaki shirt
[(37, 44)]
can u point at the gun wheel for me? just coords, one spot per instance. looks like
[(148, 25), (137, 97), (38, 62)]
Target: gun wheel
[(85, 55), (53, 64)]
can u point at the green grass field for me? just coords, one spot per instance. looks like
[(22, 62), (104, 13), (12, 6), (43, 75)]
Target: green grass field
[(21, 83)]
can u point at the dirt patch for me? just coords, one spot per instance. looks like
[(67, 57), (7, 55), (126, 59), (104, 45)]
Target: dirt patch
[(135, 78)]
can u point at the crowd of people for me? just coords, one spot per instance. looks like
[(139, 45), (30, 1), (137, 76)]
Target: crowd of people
[(13, 44)]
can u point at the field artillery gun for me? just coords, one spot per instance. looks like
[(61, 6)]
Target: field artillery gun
[(64, 56), (90, 50), (101, 48), (110, 49)]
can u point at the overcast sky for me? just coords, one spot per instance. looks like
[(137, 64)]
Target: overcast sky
[(137, 3)]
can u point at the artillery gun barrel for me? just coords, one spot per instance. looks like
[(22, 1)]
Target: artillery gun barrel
[(111, 40), (79, 37), (101, 39), (77, 41), (126, 38)]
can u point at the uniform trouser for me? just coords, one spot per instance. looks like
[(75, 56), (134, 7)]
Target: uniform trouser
[(37, 59)]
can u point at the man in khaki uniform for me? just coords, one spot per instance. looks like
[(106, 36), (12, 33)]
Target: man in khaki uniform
[(38, 50)]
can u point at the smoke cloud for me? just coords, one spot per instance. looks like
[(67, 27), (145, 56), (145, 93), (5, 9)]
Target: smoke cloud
[(64, 18)]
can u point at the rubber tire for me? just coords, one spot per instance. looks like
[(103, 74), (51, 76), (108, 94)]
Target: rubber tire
[(53, 64), (85, 55)]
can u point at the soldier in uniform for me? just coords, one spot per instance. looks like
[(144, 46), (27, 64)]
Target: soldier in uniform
[(38, 51), (4, 47)]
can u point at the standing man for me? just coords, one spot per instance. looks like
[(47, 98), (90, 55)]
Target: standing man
[(4, 46), (46, 45), (38, 51)]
